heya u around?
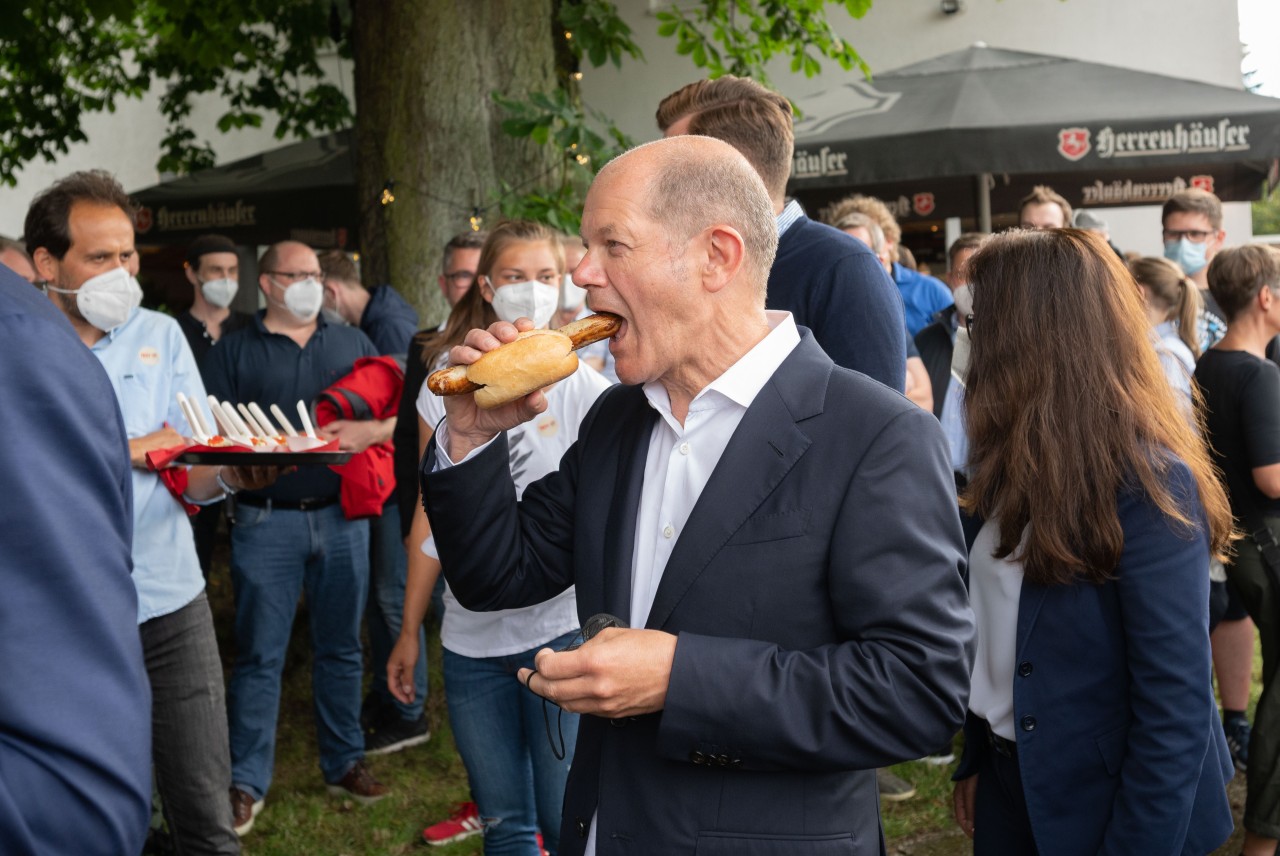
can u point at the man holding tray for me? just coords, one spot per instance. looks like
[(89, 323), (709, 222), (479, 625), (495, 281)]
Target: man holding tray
[(293, 538), (80, 232)]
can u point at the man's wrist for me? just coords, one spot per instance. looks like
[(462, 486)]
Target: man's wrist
[(228, 489)]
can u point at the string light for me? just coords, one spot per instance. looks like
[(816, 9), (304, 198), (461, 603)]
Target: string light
[(577, 75), (387, 196), (583, 159), (568, 35), (476, 220)]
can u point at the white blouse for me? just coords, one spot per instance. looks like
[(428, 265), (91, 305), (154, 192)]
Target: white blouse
[(994, 588)]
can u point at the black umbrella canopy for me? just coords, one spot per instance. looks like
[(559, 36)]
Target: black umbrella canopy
[(303, 191), (990, 110)]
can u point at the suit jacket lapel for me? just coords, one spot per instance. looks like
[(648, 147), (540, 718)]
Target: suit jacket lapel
[(620, 527), (763, 450)]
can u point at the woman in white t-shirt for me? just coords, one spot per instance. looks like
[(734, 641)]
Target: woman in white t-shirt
[(500, 728)]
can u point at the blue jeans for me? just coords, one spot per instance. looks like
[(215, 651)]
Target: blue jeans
[(189, 728), (277, 555), (498, 726), (385, 612)]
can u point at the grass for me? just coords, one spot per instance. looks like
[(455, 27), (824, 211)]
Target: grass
[(302, 818)]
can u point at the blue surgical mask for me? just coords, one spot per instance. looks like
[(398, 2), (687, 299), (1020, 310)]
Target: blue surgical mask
[(1189, 256)]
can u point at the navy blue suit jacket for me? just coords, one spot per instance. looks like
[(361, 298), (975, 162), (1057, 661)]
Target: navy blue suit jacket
[(816, 592), (1119, 743), (75, 702), (834, 285)]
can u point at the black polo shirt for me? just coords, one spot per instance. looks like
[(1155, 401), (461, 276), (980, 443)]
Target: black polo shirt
[(254, 364), (198, 337)]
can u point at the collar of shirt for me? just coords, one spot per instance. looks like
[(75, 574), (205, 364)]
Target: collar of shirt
[(116, 331), (743, 380), (790, 214), (260, 320), (682, 458)]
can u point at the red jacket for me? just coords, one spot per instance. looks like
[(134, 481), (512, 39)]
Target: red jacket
[(371, 391)]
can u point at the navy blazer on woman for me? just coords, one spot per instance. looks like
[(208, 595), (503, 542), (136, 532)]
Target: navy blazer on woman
[(1119, 743), (816, 590)]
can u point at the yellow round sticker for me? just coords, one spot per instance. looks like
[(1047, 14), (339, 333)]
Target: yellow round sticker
[(548, 426)]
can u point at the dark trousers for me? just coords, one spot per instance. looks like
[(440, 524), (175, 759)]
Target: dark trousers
[(1001, 826), (1248, 573), (189, 728), (204, 526)]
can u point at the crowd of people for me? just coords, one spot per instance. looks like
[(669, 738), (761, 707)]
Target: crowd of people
[(810, 513)]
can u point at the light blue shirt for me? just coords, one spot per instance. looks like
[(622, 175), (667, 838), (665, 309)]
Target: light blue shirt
[(149, 362), (790, 214), (1176, 359), (953, 425), (952, 418)]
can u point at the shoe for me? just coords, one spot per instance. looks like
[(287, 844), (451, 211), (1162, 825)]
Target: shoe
[(463, 823), (360, 785), (893, 788), (376, 712), (1238, 731), (243, 811), (396, 735)]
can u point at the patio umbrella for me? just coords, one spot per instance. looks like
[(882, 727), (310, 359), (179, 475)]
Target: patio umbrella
[(959, 120), (303, 191)]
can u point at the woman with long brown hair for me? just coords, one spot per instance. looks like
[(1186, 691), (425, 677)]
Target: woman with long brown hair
[(1092, 725)]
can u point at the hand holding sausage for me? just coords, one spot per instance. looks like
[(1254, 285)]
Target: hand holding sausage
[(522, 368)]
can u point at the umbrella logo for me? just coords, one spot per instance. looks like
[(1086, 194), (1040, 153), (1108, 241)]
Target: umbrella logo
[(922, 204), (1073, 143), (143, 220), (1202, 182)]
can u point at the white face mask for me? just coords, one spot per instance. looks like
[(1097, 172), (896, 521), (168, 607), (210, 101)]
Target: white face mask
[(532, 299), (219, 292), (572, 296), (106, 300), (963, 297), (304, 299)]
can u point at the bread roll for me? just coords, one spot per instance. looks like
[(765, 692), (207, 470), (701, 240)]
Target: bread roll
[(537, 358)]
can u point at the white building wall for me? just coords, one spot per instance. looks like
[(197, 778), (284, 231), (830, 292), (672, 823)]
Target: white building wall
[(126, 143)]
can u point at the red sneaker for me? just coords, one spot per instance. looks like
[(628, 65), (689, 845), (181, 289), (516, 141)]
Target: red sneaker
[(463, 823)]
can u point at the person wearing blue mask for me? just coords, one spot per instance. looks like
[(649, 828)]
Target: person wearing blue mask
[(1193, 234)]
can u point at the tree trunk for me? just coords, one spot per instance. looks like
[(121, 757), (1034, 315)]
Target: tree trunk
[(424, 120)]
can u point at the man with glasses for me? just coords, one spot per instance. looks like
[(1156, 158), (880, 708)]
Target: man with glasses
[(1193, 234), (293, 538), (461, 255)]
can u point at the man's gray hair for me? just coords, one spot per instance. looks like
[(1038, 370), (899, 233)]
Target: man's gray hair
[(858, 220), (691, 192)]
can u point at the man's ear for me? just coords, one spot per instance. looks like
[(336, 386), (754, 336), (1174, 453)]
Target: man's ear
[(725, 254), (47, 266), (191, 275)]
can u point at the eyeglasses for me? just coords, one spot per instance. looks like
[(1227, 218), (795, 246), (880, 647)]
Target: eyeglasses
[(459, 277), (292, 276), (1195, 236)]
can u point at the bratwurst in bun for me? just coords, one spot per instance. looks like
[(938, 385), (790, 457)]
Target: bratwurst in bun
[(536, 359)]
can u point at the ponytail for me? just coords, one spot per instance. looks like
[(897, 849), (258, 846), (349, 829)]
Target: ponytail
[(1170, 289), (1186, 312)]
